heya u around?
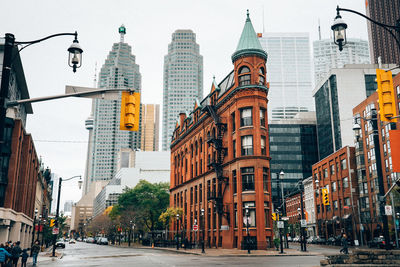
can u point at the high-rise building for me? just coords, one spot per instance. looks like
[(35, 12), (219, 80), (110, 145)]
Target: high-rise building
[(335, 97), (106, 139), (68, 206), (382, 43), (289, 69), (150, 127), (327, 56), (293, 150), (183, 80)]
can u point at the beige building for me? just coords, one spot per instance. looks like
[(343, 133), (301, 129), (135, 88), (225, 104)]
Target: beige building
[(82, 211), (150, 127)]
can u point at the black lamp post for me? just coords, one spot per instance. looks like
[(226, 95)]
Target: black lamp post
[(38, 232), (130, 233), (280, 231), (382, 200), (177, 231), (302, 229), (202, 231), (248, 233), (33, 232), (58, 207), (339, 27), (74, 60)]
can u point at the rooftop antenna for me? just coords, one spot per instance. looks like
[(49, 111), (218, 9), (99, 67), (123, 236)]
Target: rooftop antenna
[(95, 76), (319, 29), (263, 26)]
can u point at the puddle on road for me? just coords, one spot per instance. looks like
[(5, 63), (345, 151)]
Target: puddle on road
[(113, 256)]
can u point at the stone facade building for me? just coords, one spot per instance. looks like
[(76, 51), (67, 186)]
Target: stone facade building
[(220, 156)]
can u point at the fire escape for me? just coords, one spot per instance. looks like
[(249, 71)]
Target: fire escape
[(215, 139)]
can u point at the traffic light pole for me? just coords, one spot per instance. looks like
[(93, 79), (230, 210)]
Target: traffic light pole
[(57, 212)]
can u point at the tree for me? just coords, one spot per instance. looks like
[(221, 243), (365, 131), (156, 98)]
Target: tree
[(169, 214), (143, 205)]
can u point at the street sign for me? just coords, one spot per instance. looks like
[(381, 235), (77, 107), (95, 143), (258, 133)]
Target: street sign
[(56, 230), (303, 223), (388, 210), (195, 227), (281, 224)]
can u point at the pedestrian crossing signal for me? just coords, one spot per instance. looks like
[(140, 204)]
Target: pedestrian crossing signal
[(325, 197)]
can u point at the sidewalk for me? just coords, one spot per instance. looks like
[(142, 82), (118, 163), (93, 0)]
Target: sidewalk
[(46, 255), (219, 252)]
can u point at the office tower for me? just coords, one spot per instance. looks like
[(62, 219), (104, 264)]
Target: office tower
[(183, 80), (327, 55), (105, 137), (382, 44), (289, 72), (335, 97), (293, 150), (150, 127)]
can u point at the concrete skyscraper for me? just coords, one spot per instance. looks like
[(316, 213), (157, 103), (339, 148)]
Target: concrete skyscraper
[(105, 138), (289, 69), (382, 43), (183, 80), (327, 55), (150, 127)]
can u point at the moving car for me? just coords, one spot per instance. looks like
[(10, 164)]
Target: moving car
[(60, 244)]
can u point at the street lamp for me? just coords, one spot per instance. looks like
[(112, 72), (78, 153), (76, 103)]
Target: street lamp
[(202, 230), (80, 182), (129, 233), (247, 226), (281, 177), (40, 220), (339, 27), (177, 230), (303, 242), (382, 200), (33, 233), (280, 230)]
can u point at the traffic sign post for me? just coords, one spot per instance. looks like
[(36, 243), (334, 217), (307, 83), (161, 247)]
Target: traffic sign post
[(56, 230), (195, 227), (303, 223), (280, 224)]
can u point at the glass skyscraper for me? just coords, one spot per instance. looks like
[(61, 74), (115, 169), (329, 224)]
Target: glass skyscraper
[(327, 55), (289, 72), (183, 80), (105, 138)]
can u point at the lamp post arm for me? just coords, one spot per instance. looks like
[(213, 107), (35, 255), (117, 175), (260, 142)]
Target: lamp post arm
[(368, 18), (48, 37), (71, 178)]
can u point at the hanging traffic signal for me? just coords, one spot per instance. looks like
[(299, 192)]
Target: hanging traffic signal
[(325, 197), (130, 111), (52, 222), (387, 102), (274, 216)]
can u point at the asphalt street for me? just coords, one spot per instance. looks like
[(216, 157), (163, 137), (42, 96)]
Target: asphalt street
[(82, 254)]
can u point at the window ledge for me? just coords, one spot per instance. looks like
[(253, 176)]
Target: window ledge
[(249, 192), (246, 127)]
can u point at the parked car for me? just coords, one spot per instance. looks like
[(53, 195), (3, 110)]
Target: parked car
[(312, 240), (334, 241), (296, 239), (378, 242), (60, 244), (103, 241), (72, 241), (90, 240), (320, 241)]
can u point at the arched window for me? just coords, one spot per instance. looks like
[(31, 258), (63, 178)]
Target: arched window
[(261, 76), (244, 76)]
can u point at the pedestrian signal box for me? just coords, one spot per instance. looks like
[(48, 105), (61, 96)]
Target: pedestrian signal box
[(130, 111)]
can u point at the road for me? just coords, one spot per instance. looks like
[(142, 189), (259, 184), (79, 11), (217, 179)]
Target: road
[(82, 254)]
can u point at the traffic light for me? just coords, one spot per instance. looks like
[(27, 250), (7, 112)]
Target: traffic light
[(130, 111), (325, 197), (52, 222), (387, 102), (274, 216)]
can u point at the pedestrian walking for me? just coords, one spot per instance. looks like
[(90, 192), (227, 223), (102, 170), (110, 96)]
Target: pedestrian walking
[(24, 257), (16, 253), (345, 244), (3, 256), (35, 251)]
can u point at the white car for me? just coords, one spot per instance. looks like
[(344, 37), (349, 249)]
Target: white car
[(72, 241)]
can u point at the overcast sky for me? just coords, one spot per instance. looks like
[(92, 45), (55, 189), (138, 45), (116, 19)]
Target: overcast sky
[(58, 126)]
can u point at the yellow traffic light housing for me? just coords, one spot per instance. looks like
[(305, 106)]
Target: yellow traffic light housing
[(52, 222), (130, 111), (274, 216), (325, 197), (387, 101)]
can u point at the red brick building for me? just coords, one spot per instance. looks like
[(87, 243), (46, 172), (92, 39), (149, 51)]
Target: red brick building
[(292, 204), (367, 164), (337, 173), (220, 155)]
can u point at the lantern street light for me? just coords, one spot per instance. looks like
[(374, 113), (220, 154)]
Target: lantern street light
[(60, 180), (33, 232), (177, 231), (202, 230), (339, 27)]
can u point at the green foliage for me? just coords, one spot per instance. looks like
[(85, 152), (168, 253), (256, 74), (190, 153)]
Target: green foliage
[(169, 214), (277, 242), (142, 205)]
